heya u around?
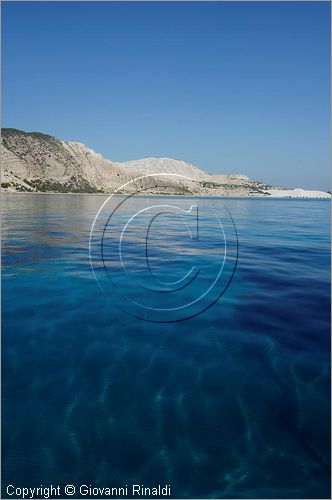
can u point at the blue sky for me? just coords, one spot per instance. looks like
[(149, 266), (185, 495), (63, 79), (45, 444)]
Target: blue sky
[(233, 87)]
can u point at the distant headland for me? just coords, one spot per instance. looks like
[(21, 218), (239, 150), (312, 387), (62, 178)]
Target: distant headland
[(35, 162)]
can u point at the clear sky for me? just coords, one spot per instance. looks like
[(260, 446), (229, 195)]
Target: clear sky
[(233, 87)]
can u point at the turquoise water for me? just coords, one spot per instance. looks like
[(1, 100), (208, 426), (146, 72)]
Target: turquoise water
[(232, 403)]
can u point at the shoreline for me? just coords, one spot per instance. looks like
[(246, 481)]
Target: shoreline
[(271, 197)]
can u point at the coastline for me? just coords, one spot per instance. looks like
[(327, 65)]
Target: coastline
[(271, 197)]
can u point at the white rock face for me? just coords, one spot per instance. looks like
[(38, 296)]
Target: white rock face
[(165, 165), (11, 162), (298, 193), (92, 166), (32, 161)]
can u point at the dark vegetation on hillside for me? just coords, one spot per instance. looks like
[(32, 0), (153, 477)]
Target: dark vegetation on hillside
[(10, 132), (74, 185)]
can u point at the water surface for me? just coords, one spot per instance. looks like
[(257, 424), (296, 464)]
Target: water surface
[(233, 403)]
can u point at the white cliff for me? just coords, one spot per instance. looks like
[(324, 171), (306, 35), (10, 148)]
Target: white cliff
[(36, 162)]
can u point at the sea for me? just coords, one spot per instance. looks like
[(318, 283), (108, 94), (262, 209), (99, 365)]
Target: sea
[(174, 342)]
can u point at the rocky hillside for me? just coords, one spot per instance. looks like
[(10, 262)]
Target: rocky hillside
[(36, 162)]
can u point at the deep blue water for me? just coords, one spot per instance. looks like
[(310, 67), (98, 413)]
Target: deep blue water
[(232, 403)]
